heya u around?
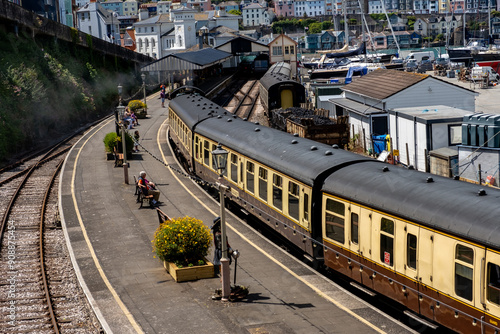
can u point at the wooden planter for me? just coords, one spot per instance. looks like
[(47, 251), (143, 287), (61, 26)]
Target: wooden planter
[(189, 273)]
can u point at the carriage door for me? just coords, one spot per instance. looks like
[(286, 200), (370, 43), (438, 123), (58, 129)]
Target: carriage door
[(410, 267), (354, 239), (286, 99), (490, 290)]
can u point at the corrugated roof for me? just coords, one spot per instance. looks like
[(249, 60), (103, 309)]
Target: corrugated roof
[(381, 84), (203, 57)]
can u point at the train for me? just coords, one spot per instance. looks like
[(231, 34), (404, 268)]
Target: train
[(430, 243), (278, 90)]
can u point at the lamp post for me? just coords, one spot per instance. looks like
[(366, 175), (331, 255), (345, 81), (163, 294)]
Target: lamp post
[(120, 113), (219, 156), (143, 76)]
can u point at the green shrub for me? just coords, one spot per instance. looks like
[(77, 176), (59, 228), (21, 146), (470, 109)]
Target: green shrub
[(183, 241), (134, 105), (110, 141)]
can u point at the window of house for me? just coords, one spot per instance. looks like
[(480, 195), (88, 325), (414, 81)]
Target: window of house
[(293, 200), (455, 133), (287, 50), (464, 261), (277, 191), (263, 183), (277, 51), (292, 49), (387, 241), (335, 220), (152, 29)]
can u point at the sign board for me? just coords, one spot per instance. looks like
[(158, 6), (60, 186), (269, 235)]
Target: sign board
[(395, 153), (387, 258)]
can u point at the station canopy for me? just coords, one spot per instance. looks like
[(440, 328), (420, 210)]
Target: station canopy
[(188, 61), (243, 44)]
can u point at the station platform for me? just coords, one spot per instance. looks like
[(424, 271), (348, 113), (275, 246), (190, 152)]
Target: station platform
[(109, 238)]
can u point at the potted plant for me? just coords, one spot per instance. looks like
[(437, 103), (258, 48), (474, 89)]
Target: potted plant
[(140, 108), (182, 244), (110, 144)]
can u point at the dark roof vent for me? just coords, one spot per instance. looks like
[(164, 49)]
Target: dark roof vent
[(219, 116), (385, 169), (257, 130), (335, 146), (198, 105), (217, 107), (481, 192), (225, 112), (229, 120), (245, 119), (295, 134), (205, 104), (430, 179), (256, 123), (294, 141), (234, 116), (328, 153), (313, 148), (203, 108)]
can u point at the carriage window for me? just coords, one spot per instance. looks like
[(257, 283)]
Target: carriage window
[(214, 147), (411, 251), (354, 228), (386, 241), (206, 153), (306, 207), (293, 200), (464, 260), (263, 183), (196, 147), (277, 191), (234, 168), (493, 279), (334, 220), (250, 177)]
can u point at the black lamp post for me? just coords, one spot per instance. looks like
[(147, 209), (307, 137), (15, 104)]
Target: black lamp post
[(219, 156)]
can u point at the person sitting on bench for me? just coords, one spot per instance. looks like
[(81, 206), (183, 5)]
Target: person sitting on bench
[(148, 188)]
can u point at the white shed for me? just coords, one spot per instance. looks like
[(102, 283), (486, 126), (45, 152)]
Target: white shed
[(416, 131)]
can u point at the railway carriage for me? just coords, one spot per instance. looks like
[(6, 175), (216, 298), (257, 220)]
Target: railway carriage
[(278, 90), (430, 243)]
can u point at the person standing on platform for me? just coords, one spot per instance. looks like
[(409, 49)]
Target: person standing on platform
[(162, 96)]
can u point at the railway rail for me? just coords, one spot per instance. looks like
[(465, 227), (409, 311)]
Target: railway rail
[(39, 289)]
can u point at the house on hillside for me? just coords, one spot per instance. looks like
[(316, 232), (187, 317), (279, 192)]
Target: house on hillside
[(369, 100), (95, 20)]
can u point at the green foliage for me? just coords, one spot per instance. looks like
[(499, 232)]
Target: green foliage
[(235, 12), (182, 241), (110, 141), (92, 71), (134, 105), (439, 37), (495, 13), (315, 28), (353, 22), (325, 25)]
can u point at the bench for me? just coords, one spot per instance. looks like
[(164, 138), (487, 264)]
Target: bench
[(140, 195), (118, 158)]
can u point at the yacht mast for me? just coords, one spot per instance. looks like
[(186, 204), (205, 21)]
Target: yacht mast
[(390, 26), (346, 28)]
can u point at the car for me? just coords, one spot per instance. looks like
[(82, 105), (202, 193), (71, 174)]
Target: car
[(424, 66), (411, 65), (445, 62)]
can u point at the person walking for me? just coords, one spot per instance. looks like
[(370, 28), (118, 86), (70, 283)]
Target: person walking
[(162, 96), (136, 140)]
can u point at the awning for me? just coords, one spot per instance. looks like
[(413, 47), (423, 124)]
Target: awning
[(356, 107), (194, 60)]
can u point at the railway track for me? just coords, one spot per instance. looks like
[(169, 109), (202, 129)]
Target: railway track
[(245, 103), (38, 289)]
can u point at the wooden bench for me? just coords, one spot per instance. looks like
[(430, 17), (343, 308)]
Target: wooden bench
[(140, 195), (118, 159)]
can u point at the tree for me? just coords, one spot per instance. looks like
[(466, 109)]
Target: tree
[(315, 28), (235, 12)]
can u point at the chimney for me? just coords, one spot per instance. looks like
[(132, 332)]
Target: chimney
[(143, 14)]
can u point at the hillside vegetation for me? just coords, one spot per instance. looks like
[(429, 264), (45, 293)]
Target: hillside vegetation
[(49, 87)]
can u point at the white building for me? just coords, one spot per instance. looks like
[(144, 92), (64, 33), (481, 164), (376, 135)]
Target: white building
[(130, 7), (311, 8), (165, 33), (375, 7), (255, 15), (94, 20), (163, 7)]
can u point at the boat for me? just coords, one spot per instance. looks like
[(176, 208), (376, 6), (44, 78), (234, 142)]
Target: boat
[(464, 54), (342, 71), (349, 53)]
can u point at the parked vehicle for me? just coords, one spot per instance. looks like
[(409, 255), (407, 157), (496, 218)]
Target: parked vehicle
[(411, 65), (419, 56), (443, 60), (424, 66), (478, 73)]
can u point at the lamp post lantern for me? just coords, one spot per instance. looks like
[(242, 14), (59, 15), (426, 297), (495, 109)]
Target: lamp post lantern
[(219, 156), (143, 76)]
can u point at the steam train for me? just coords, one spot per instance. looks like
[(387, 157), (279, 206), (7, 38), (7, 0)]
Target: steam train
[(428, 242)]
